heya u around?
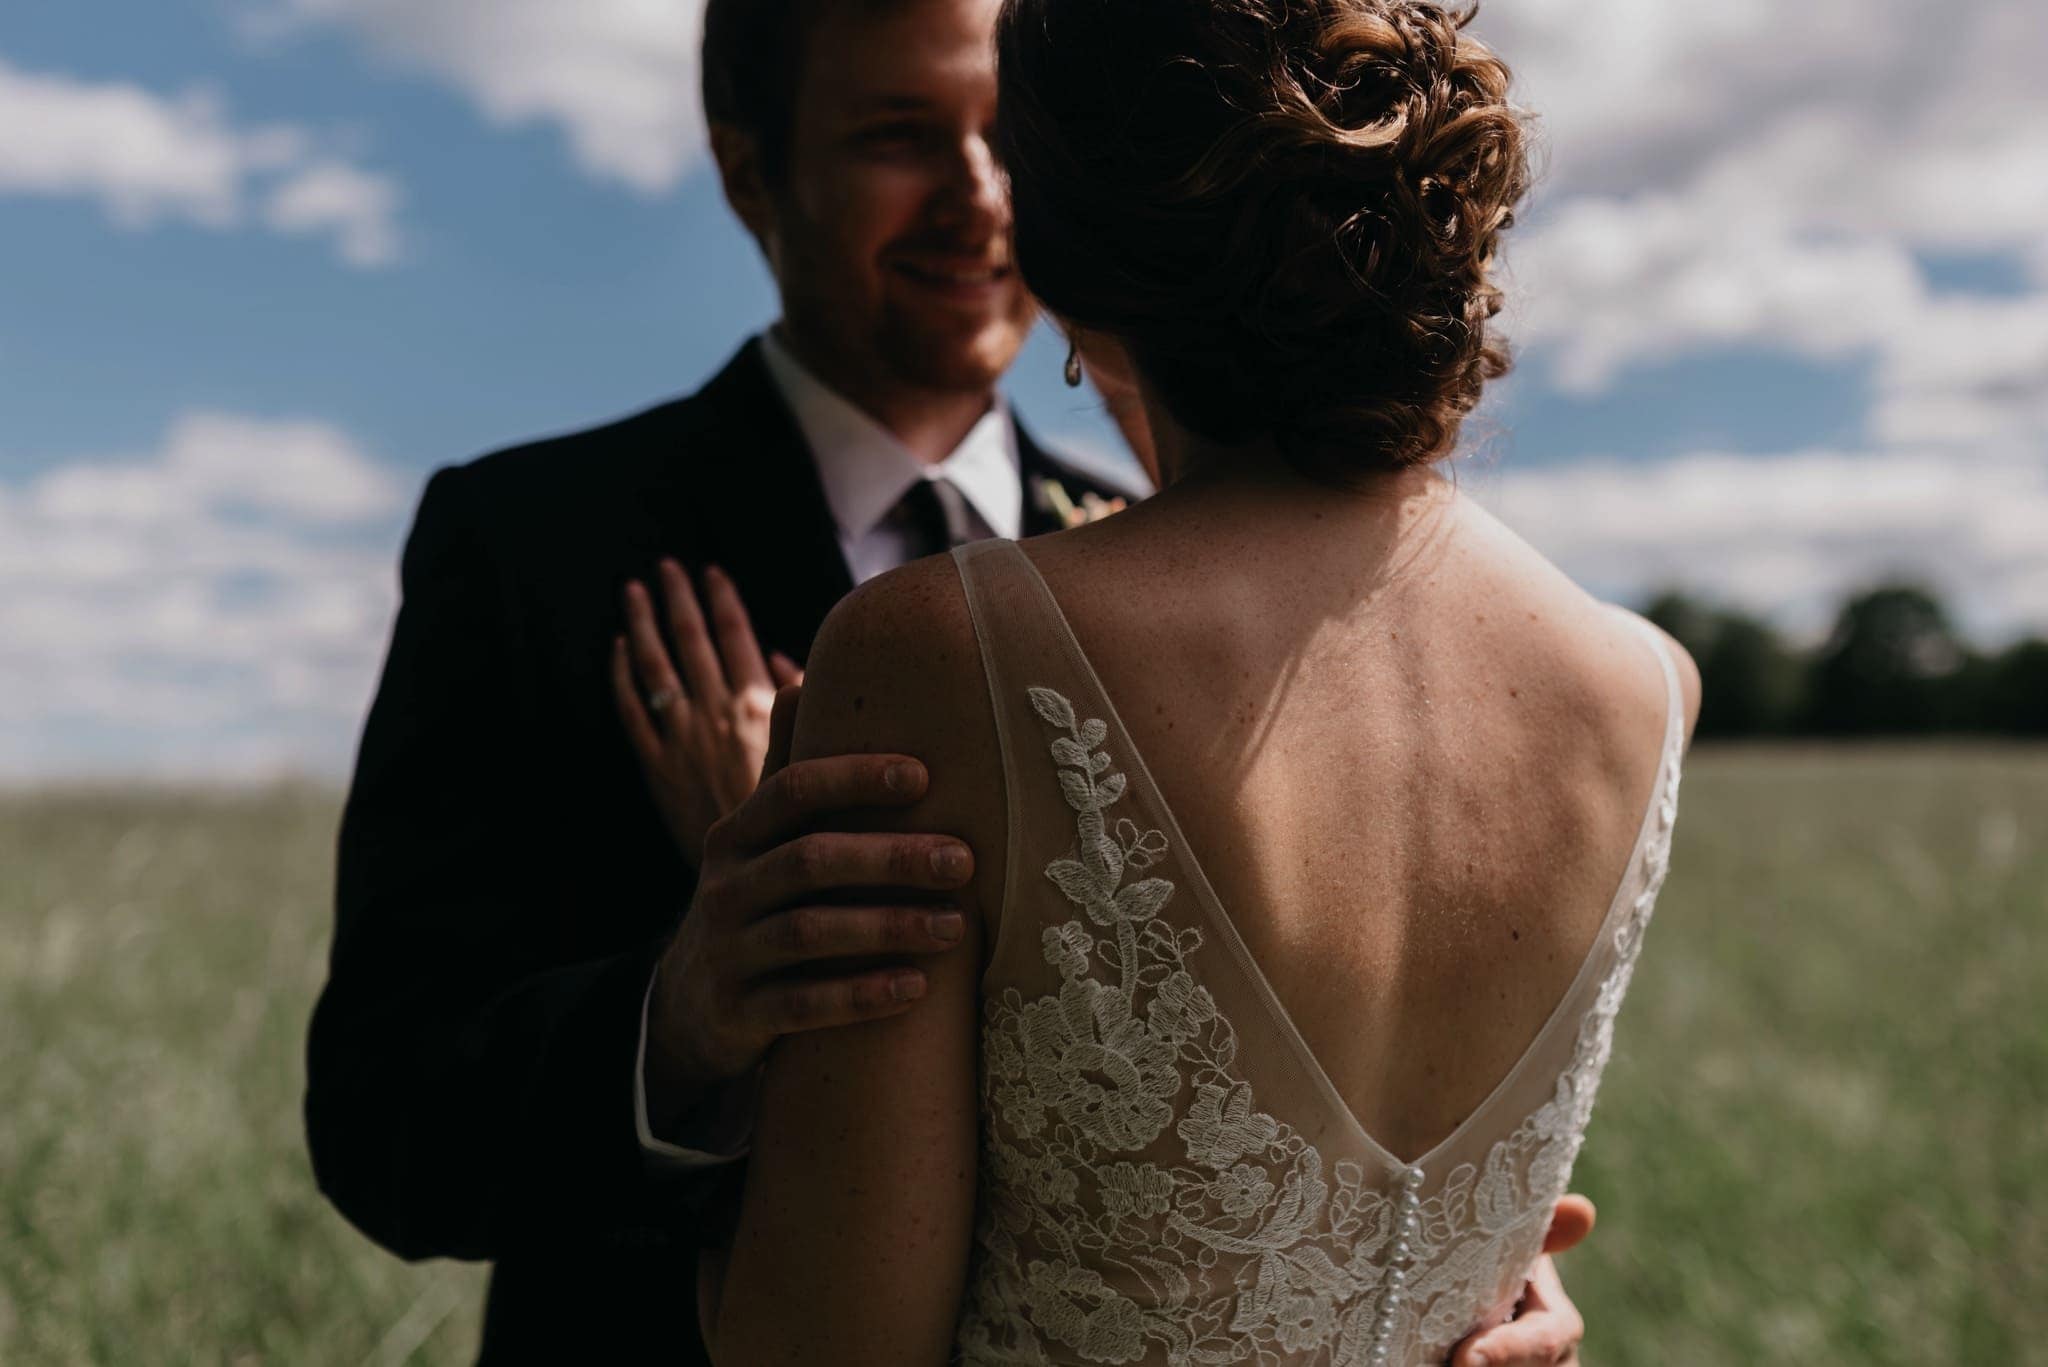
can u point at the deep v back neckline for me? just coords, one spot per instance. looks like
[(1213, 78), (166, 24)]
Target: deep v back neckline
[(1562, 1015)]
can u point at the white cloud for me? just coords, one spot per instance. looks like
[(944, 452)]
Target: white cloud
[(1967, 371), (1788, 536), (1749, 175), (221, 599), (1646, 98), (1613, 283), (146, 158), (1759, 175), (332, 196), (618, 77)]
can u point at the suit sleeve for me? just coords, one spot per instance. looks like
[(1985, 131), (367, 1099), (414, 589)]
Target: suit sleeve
[(468, 1093)]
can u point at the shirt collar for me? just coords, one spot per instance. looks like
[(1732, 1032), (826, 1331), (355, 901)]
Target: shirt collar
[(866, 471)]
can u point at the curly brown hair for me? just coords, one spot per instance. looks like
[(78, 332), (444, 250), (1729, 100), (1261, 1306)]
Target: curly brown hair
[(1288, 210)]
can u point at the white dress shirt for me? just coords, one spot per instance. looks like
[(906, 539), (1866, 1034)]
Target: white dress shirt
[(865, 471)]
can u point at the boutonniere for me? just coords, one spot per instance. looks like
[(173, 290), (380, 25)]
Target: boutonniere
[(1053, 497)]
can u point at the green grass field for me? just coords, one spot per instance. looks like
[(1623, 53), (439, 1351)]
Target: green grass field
[(1820, 1141)]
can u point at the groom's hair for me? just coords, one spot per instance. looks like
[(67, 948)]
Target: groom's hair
[(752, 62)]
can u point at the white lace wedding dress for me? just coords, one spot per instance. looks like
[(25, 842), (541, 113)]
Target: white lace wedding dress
[(1167, 1174)]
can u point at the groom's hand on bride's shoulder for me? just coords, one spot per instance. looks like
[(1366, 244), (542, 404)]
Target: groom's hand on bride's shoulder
[(773, 943), (769, 942)]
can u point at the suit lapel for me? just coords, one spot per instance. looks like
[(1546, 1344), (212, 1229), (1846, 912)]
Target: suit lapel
[(758, 509), (1040, 515), (1040, 469)]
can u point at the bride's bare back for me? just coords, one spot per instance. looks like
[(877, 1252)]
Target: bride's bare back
[(1410, 754)]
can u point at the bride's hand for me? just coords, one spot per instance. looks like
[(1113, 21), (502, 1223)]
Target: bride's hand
[(1546, 1329), (700, 738)]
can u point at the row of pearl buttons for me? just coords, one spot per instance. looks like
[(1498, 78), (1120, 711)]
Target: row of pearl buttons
[(1397, 1275)]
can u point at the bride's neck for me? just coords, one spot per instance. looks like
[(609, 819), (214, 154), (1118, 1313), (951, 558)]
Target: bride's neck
[(1193, 469)]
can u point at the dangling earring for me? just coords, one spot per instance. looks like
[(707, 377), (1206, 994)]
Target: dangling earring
[(1073, 365)]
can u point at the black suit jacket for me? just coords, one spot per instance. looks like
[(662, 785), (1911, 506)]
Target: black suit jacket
[(505, 885)]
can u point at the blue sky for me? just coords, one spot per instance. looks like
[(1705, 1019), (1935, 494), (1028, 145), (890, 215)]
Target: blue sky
[(1784, 326)]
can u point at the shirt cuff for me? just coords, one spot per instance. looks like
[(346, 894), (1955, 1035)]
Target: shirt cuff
[(720, 1131)]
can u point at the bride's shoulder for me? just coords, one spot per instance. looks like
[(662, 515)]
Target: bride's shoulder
[(921, 602), (896, 659), (1688, 670), (896, 670), (1600, 646)]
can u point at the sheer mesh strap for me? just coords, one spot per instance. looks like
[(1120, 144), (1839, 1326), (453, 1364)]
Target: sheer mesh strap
[(1011, 626), (1674, 693)]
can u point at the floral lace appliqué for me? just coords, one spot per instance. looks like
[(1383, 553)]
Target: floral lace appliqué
[(1136, 1203)]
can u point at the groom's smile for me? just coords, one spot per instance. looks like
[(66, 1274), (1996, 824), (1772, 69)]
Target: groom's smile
[(962, 279)]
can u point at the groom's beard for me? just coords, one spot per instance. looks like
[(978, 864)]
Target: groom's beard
[(882, 325), (950, 337), (950, 357)]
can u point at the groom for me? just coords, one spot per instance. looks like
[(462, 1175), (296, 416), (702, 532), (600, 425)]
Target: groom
[(506, 887), (517, 1056)]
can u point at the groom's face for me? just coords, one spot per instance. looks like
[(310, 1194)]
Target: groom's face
[(889, 231)]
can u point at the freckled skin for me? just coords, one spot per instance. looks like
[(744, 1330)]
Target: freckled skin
[(1376, 786)]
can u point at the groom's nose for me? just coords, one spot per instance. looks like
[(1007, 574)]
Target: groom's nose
[(975, 193)]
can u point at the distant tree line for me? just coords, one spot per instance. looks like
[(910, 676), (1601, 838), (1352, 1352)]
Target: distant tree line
[(1894, 665)]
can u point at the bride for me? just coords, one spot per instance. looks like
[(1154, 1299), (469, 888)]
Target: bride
[(1318, 818)]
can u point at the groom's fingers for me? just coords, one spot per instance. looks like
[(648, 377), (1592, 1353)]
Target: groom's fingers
[(1570, 1223), (785, 1008), (791, 797), (807, 934), (1546, 1331), (799, 870)]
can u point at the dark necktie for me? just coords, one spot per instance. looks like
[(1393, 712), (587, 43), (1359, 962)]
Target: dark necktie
[(937, 513)]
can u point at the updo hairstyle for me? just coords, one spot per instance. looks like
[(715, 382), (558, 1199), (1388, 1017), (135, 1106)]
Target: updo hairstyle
[(1287, 210)]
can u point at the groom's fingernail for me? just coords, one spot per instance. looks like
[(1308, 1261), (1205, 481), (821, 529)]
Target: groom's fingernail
[(902, 778), (951, 862), (948, 926), (907, 987)]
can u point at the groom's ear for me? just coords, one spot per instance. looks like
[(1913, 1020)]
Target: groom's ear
[(738, 153)]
